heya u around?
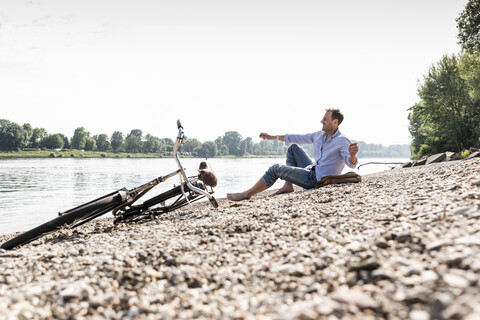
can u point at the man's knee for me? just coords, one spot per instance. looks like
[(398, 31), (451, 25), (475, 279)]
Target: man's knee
[(292, 148), (271, 175)]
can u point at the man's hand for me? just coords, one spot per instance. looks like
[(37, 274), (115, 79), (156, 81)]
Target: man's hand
[(265, 136), (353, 149)]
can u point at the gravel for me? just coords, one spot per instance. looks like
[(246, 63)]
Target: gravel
[(402, 244)]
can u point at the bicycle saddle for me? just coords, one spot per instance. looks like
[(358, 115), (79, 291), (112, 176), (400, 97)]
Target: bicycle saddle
[(207, 175)]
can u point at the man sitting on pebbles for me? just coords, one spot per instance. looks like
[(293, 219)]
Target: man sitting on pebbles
[(332, 150)]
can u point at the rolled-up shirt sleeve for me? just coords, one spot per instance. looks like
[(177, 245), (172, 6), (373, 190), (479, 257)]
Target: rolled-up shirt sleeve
[(299, 138)]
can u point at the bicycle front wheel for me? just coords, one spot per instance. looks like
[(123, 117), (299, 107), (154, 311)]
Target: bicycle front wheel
[(103, 204)]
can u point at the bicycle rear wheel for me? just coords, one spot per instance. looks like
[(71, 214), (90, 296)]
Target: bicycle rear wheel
[(103, 204)]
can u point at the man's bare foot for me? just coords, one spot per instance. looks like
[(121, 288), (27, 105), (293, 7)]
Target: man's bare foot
[(287, 188), (237, 196)]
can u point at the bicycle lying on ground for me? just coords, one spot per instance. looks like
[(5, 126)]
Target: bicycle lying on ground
[(122, 203)]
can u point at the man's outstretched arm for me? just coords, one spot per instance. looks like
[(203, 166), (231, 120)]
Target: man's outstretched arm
[(266, 136)]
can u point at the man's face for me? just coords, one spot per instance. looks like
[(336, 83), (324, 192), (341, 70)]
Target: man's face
[(328, 123)]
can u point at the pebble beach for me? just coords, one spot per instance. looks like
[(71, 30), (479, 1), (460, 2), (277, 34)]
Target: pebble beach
[(401, 244)]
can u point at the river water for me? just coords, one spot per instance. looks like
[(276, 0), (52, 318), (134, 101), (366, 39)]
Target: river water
[(33, 191)]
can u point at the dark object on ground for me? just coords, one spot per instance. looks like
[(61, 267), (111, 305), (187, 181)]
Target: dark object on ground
[(349, 177)]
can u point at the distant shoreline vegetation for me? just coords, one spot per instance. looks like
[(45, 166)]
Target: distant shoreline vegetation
[(27, 142)]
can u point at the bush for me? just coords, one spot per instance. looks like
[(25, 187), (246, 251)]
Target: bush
[(465, 153), (52, 155)]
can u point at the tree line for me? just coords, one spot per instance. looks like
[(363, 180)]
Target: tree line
[(24, 137), (447, 117)]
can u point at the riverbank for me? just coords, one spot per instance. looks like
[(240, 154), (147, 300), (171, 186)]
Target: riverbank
[(402, 244)]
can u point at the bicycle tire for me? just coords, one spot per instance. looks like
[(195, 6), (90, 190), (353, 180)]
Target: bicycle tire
[(72, 215)]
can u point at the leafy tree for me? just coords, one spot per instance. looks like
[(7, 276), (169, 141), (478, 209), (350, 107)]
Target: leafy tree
[(66, 142), (224, 150), (233, 141), (11, 135), (219, 142), (116, 141), (248, 145), (152, 144), (191, 146), (90, 144), (102, 142), (167, 144), (470, 72), (133, 141), (52, 141), (79, 138), (27, 133), (37, 135), (207, 150), (445, 117), (468, 24)]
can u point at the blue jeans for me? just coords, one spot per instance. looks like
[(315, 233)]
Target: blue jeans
[(294, 172)]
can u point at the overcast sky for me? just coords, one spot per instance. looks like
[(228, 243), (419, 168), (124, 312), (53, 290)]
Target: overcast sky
[(219, 65)]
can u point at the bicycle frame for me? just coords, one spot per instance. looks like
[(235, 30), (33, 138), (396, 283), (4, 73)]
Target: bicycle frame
[(131, 196)]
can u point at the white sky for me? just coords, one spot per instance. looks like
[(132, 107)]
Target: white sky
[(220, 65)]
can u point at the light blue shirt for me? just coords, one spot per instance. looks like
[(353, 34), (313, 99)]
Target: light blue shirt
[(330, 155)]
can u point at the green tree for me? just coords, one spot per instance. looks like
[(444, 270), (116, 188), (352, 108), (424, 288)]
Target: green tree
[(167, 144), (191, 146), (79, 138), (224, 150), (445, 117), (470, 72), (90, 144), (66, 142), (152, 144), (52, 141), (102, 142), (37, 135), (233, 141), (468, 24), (133, 141), (11, 135), (207, 150), (116, 141), (27, 133)]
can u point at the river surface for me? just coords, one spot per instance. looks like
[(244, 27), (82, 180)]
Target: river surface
[(33, 191)]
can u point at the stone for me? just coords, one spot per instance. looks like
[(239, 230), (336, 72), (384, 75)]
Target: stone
[(354, 297), (420, 162), (406, 165), (474, 155), (439, 157), (456, 281)]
